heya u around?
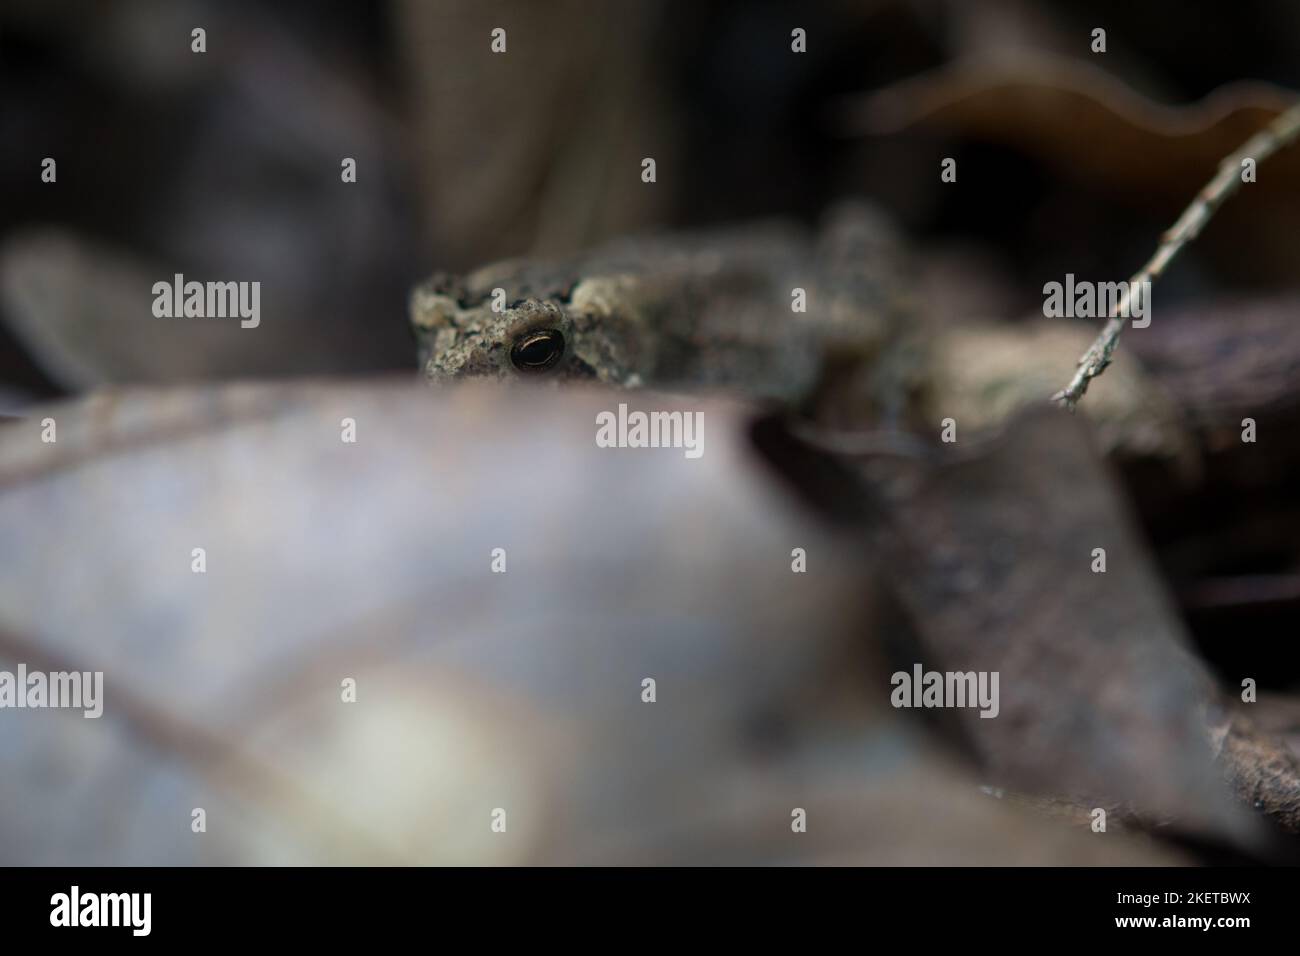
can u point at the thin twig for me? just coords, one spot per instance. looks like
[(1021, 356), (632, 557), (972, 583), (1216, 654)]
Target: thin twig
[(1277, 135)]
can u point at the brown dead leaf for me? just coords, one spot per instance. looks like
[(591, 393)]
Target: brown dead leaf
[(1090, 127), (1102, 701)]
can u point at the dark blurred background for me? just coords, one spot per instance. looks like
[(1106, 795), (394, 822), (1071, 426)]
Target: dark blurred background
[(227, 163)]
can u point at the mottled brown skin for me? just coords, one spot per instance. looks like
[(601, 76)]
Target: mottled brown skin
[(686, 311)]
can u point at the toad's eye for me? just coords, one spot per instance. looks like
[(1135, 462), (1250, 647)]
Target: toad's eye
[(537, 351)]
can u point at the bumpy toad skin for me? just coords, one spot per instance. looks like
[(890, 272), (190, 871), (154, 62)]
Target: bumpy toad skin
[(686, 311)]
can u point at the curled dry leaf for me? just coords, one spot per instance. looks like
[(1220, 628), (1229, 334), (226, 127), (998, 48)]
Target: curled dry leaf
[(474, 690), (1088, 126), (1078, 116), (84, 312), (1102, 702)]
